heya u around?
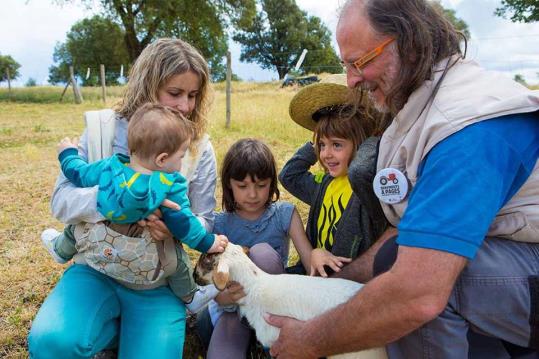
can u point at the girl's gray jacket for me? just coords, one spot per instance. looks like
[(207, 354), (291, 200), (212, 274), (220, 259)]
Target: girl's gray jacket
[(362, 221)]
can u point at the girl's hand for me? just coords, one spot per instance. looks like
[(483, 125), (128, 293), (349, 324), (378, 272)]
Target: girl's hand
[(320, 257), (232, 293), (66, 142), (156, 226), (219, 244)]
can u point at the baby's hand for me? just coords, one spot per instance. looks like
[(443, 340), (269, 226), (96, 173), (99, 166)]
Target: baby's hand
[(320, 257), (219, 244), (66, 142)]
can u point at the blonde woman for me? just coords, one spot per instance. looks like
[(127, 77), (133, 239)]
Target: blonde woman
[(88, 311)]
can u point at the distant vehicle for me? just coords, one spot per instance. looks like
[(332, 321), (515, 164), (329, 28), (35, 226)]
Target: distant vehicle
[(300, 81)]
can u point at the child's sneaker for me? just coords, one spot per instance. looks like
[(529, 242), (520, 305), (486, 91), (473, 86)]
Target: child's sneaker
[(48, 237), (201, 298)]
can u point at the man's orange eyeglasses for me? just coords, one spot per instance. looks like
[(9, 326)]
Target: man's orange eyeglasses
[(364, 60)]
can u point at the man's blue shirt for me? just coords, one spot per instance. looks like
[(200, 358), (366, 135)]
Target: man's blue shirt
[(465, 180)]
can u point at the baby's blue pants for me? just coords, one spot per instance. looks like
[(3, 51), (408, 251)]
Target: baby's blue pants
[(87, 312)]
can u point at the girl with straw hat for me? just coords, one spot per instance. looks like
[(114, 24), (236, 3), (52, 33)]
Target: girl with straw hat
[(345, 217)]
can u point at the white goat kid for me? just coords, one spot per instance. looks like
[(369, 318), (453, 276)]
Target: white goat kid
[(296, 296)]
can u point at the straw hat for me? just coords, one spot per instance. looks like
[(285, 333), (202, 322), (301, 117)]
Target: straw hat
[(311, 98)]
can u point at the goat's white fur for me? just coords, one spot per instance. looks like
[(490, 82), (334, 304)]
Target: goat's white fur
[(297, 296)]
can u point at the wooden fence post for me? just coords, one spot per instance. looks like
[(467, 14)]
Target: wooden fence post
[(8, 80), (103, 83), (228, 86), (65, 89), (76, 91)]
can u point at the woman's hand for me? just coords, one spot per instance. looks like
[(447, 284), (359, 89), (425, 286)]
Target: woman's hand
[(320, 258), (232, 293), (156, 226)]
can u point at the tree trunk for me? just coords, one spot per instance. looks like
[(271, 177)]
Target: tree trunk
[(127, 17), (132, 44), (228, 87), (282, 71)]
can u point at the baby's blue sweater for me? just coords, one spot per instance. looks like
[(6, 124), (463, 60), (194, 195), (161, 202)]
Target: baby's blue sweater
[(127, 196)]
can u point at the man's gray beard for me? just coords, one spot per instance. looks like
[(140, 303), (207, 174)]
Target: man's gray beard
[(382, 108)]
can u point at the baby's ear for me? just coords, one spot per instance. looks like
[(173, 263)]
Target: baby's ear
[(160, 159)]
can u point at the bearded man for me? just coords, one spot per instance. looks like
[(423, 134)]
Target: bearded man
[(457, 175)]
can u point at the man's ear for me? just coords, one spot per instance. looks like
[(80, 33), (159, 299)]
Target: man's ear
[(160, 159)]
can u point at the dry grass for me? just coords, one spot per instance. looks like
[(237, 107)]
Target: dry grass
[(28, 168)]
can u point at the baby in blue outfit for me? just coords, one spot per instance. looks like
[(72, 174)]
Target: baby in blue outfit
[(132, 188)]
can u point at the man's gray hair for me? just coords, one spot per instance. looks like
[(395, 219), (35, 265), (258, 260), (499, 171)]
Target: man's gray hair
[(423, 37)]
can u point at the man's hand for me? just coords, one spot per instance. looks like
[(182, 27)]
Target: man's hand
[(66, 142), (320, 258), (219, 244), (291, 343)]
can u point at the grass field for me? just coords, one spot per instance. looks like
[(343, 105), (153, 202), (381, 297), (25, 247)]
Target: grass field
[(29, 132)]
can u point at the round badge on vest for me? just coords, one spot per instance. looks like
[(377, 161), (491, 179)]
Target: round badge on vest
[(390, 185)]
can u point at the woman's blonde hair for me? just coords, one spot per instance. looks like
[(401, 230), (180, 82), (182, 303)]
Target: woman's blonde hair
[(158, 63)]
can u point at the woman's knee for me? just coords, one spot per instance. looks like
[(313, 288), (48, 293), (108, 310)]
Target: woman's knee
[(266, 258), (50, 340), (75, 320)]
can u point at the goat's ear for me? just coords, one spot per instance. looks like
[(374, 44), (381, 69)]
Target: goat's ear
[(220, 275), (245, 249)]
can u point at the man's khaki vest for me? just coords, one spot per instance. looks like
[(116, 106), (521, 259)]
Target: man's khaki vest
[(468, 94)]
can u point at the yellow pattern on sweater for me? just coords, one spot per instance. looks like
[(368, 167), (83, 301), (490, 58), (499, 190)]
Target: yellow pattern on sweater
[(336, 199)]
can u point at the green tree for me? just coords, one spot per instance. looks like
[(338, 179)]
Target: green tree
[(31, 82), (452, 16), (202, 23), (520, 79), (323, 57), (278, 35), (519, 10), (8, 63), (89, 43)]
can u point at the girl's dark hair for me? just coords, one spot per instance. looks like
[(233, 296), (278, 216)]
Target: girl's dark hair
[(248, 157), (354, 123)]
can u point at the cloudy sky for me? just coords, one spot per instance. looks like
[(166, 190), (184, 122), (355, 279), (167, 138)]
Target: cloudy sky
[(30, 29)]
